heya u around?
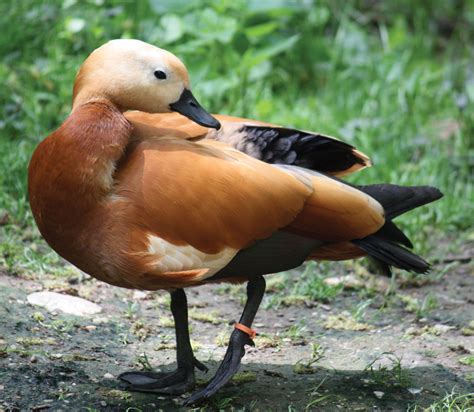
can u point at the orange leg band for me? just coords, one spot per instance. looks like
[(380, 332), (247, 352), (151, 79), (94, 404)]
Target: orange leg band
[(252, 333)]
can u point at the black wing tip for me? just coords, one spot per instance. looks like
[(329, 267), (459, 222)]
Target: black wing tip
[(313, 151)]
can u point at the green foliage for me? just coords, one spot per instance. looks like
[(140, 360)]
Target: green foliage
[(392, 78), (452, 402), (386, 376)]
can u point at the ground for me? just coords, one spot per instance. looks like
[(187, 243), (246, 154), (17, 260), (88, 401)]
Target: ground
[(368, 348)]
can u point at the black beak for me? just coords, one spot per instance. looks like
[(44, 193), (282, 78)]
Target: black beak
[(188, 106)]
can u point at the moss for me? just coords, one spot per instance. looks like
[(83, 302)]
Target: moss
[(343, 322), (167, 321), (244, 377), (210, 317), (30, 341), (295, 300), (118, 394), (467, 360), (267, 341), (303, 369), (165, 346), (469, 329)]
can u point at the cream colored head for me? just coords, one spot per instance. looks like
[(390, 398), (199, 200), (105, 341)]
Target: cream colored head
[(123, 71)]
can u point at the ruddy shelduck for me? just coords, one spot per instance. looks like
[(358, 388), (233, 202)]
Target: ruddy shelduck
[(138, 196)]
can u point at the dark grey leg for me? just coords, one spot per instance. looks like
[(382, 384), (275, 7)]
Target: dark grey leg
[(181, 380), (235, 351)]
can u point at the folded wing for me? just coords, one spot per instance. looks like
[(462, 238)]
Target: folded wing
[(201, 204), (264, 141)]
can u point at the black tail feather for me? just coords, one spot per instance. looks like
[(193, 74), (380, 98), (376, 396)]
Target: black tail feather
[(390, 231), (397, 200), (392, 254), (384, 246)]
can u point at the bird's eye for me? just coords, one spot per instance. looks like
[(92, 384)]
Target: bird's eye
[(160, 74)]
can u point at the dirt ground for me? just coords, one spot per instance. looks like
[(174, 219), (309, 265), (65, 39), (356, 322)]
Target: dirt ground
[(309, 356)]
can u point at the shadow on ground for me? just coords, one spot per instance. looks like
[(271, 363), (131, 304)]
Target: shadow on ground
[(276, 387)]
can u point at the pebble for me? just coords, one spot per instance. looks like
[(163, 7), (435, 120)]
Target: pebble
[(103, 404), (415, 391), (324, 307), (109, 376), (34, 359), (349, 281), (139, 295), (100, 320), (90, 328), (71, 305), (379, 394)]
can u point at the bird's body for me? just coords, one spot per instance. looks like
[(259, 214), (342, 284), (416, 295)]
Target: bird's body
[(162, 211), (155, 201)]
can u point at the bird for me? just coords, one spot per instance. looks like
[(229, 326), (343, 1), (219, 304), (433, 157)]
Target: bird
[(142, 188)]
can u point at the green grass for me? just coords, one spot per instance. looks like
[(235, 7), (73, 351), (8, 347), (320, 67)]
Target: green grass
[(394, 79), (452, 402)]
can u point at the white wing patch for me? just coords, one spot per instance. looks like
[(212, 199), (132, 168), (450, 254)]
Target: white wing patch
[(172, 258)]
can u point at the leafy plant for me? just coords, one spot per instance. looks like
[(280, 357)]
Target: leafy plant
[(386, 376)]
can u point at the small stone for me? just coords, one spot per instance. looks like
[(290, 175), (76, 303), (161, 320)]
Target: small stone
[(379, 394), (108, 376), (103, 404), (34, 359), (100, 320), (415, 391), (71, 305), (90, 328), (348, 281), (139, 295)]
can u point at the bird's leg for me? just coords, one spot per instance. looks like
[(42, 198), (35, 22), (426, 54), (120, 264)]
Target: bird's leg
[(235, 349), (182, 379)]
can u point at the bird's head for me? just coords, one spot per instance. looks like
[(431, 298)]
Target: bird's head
[(135, 75)]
